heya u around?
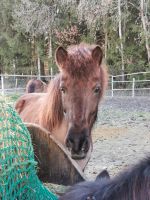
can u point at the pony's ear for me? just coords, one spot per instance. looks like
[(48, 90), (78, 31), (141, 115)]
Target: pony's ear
[(61, 56), (103, 174), (97, 54)]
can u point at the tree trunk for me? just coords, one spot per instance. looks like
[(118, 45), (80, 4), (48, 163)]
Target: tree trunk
[(121, 40), (50, 46), (42, 71), (39, 67), (33, 55), (106, 43), (144, 20), (48, 54)]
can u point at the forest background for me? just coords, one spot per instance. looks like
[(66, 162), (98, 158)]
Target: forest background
[(31, 30)]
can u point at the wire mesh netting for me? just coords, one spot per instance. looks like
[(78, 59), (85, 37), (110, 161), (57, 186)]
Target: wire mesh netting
[(18, 179)]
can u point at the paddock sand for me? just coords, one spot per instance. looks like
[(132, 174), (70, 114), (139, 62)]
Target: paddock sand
[(121, 135)]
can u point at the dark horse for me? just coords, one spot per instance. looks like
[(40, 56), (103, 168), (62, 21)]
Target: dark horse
[(133, 184), (35, 85), (69, 108)]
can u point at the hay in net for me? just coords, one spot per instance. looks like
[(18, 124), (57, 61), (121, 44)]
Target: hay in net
[(18, 179)]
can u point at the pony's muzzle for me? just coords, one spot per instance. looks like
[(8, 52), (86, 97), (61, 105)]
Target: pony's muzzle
[(78, 156), (78, 143)]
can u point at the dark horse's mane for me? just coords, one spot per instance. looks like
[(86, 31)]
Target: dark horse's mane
[(133, 184)]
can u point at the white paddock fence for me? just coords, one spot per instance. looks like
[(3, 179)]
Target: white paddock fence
[(10, 84), (135, 84)]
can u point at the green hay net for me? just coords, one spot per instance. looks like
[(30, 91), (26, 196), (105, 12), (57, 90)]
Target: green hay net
[(18, 179)]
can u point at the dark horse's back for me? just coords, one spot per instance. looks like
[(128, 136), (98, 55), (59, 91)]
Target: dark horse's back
[(133, 184)]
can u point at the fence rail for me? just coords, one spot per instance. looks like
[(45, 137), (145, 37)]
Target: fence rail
[(10, 84), (135, 84)]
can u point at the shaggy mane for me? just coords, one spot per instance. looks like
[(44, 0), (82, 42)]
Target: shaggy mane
[(51, 114)]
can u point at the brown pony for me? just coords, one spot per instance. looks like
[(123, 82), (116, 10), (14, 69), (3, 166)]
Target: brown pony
[(35, 85), (69, 108)]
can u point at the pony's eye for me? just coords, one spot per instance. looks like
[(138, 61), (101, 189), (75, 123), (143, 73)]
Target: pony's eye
[(97, 90), (63, 90)]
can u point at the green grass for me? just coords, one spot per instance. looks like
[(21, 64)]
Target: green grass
[(11, 99)]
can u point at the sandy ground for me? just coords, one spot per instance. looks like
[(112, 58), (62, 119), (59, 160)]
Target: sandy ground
[(121, 135)]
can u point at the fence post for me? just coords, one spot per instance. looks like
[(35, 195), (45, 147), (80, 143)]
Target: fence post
[(16, 85), (112, 86), (133, 87), (51, 72), (2, 83)]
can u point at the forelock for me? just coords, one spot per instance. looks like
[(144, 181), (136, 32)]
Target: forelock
[(80, 62)]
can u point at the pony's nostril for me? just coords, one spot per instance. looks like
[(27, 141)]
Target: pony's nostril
[(83, 149), (64, 112), (69, 143), (85, 146)]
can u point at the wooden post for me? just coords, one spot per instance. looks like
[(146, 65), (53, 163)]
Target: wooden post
[(133, 88)]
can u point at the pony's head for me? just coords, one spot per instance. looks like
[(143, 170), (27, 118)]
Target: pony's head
[(36, 86), (82, 83)]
